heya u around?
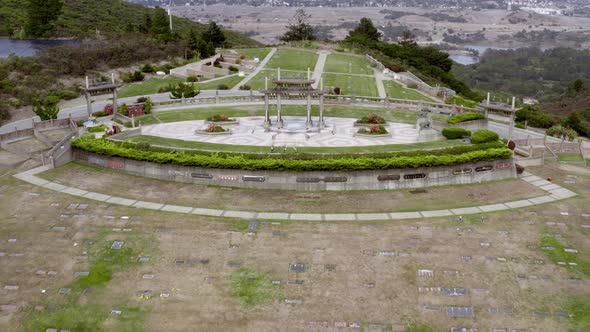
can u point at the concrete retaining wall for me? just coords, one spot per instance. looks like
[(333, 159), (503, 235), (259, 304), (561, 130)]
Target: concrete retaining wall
[(361, 180)]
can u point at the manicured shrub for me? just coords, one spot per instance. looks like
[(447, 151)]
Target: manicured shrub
[(213, 128), (182, 90), (484, 136), (233, 69), (219, 118), (468, 116), (147, 68), (455, 132), (101, 113), (245, 87), (136, 76), (222, 87), (97, 129), (338, 163), (374, 130), (192, 79)]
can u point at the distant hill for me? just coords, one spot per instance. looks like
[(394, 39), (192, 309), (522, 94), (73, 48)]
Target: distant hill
[(97, 19), (527, 72)]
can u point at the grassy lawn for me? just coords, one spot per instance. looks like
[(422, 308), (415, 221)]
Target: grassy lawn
[(558, 254), (150, 86), (293, 60), (338, 63), (146, 120), (396, 90), (252, 288), (154, 84), (252, 53), (570, 157), (240, 111), (352, 85), (176, 143)]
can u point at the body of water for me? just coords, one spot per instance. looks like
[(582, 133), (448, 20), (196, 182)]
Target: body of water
[(29, 47), (468, 59)]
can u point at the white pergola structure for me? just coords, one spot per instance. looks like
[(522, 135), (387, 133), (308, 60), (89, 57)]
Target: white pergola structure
[(293, 88)]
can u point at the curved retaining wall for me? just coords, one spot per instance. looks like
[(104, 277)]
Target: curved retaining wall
[(359, 180)]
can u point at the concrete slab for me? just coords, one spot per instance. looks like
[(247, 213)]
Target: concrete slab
[(207, 212), (531, 178), (548, 187), (563, 194), (340, 216), (97, 196), (493, 207), (121, 201), (176, 208), (148, 205), (273, 215), (405, 215), (54, 186), (240, 214), (305, 216), (35, 180), (436, 213), (74, 191), (469, 210), (518, 204), (540, 183), (372, 216), (542, 199)]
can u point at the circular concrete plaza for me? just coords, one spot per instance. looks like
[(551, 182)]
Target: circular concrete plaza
[(250, 131)]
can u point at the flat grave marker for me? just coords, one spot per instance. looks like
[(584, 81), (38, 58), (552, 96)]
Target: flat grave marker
[(117, 245), (460, 311), (297, 267)]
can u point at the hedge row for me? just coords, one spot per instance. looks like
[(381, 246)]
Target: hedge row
[(455, 132), (468, 116), (110, 148), (484, 136)]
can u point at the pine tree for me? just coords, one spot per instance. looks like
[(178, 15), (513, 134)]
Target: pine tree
[(214, 35), (41, 16), (299, 30), (160, 27), (365, 29)]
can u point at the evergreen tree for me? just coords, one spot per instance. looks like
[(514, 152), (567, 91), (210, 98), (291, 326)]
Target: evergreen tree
[(41, 16), (214, 35), (408, 39), (160, 26), (299, 29), (366, 29)]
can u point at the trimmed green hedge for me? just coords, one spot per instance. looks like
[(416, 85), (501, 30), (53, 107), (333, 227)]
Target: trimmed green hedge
[(468, 116), (115, 149), (455, 132), (484, 136)]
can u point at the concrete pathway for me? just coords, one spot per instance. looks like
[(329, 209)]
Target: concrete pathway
[(260, 66), (379, 77), (554, 193), (319, 68)]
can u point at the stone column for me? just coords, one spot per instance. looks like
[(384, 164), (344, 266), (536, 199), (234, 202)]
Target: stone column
[(511, 126), (321, 121), (88, 102), (115, 104), (308, 123), (279, 111), (266, 112)]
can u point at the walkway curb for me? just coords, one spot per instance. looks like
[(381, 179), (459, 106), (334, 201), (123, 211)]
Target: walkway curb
[(554, 193)]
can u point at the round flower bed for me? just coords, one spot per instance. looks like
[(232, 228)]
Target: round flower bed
[(214, 129), (373, 131)]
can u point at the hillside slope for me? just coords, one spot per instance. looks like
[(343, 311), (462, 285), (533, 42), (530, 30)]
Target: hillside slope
[(92, 19)]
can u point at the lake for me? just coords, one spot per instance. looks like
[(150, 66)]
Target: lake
[(468, 59), (29, 47)]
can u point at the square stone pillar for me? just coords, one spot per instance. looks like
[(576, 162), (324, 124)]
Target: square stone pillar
[(279, 111), (266, 112), (88, 103), (321, 123), (308, 122), (115, 104)]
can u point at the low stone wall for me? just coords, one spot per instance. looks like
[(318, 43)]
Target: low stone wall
[(360, 180)]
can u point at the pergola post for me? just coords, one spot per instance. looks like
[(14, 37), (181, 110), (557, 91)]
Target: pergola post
[(115, 105), (308, 123), (321, 121), (266, 112), (88, 102), (279, 111)]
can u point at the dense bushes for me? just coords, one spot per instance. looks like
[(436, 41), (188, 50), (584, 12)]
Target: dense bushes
[(468, 116), (455, 132), (534, 117), (484, 136), (126, 150), (136, 76)]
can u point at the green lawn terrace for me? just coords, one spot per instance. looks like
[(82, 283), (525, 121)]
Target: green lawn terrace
[(154, 84), (352, 84), (293, 59), (398, 91), (348, 64)]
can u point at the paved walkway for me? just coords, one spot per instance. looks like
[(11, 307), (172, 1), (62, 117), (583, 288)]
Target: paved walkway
[(319, 68), (260, 66), (379, 77), (554, 193)]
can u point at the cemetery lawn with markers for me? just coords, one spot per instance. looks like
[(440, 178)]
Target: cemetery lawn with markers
[(216, 273), (348, 64), (293, 59), (365, 86)]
